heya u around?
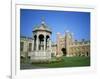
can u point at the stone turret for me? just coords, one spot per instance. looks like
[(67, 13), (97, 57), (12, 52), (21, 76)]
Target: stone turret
[(68, 41)]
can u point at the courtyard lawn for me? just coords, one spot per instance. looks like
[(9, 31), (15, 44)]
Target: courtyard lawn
[(67, 62)]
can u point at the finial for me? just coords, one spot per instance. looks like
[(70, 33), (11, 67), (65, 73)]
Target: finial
[(43, 19), (58, 33), (72, 33), (67, 31)]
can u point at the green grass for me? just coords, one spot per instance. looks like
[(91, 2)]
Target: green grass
[(67, 62)]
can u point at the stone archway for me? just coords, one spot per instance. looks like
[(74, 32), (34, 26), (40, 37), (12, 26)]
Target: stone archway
[(87, 53), (41, 42), (64, 51)]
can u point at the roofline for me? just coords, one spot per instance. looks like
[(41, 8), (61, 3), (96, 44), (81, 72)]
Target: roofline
[(42, 30)]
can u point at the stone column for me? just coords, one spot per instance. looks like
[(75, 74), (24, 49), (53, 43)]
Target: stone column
[(37, 43), (49, 44), (44, 42), (50, 48), (33, 45)]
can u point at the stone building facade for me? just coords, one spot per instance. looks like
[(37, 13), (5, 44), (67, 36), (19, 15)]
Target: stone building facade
[(40, 45), (25, 46), (68, 46)]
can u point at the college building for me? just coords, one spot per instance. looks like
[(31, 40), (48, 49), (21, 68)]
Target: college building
[(41, 47)]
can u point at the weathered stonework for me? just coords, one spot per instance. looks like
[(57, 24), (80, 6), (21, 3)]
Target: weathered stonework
[(40, 47)]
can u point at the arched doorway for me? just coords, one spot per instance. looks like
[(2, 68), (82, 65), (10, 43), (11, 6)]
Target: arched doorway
[(87, 54), (64, 51)]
